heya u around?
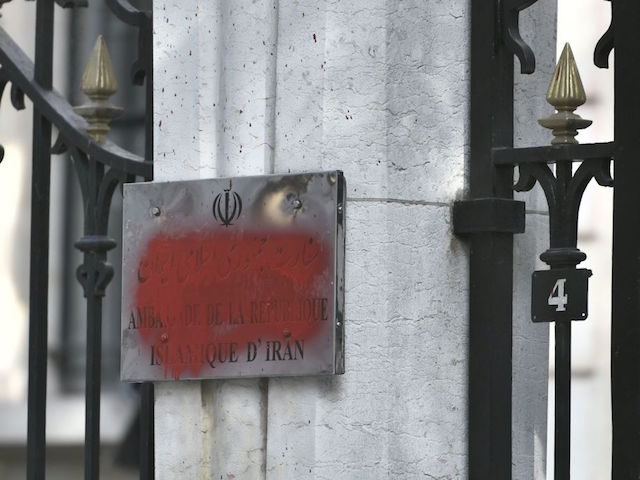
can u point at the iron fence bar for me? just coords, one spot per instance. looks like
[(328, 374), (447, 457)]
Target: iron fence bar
[(561, 237), (87, 274), (39, 256), (491, 253), (625, 317), (563, 191), (552, 153), (562, 405), (92, 388), (563, 194), (142, 72), (147, 397), (94, 274), (147, 464)]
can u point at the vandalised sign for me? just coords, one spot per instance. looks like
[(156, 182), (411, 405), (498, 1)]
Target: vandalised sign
[(233, 277)]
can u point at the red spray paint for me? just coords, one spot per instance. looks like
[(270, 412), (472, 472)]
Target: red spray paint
[(206, 295)]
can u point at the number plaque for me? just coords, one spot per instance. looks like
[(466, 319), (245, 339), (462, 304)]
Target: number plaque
[(559, 294), (233, 277)]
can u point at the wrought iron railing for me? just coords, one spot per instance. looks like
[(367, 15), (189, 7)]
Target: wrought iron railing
[(101, 166), (491, 217)]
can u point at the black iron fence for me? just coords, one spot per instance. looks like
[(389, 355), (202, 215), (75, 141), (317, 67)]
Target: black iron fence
[(100, 166), (491, 217)]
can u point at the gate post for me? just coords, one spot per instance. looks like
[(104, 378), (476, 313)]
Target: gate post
[(213, 118), (489, 218), (625, 295), (379, 90)]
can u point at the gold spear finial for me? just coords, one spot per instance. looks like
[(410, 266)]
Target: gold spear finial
[(99, 83), (565, 93)]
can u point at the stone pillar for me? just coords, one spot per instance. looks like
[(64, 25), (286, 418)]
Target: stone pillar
[(213, 102), (378, 89)]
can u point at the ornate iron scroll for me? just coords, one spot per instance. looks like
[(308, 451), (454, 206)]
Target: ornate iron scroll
[(511, 33), (604, 47)]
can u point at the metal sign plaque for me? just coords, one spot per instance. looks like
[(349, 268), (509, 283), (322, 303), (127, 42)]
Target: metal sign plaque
[(233, 277), (559, 294)]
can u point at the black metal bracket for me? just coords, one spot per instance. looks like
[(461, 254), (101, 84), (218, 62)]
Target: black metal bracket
[(510, 29), (563, 192), (552, 153), (499, 215), (604, 47)]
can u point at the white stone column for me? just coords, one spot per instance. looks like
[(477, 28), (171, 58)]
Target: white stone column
[(380, 90), (213, 117)]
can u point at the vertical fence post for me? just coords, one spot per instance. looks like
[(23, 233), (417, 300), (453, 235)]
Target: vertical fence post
[(98, 184), (39, 262), (147, 434), (491, 255), (625, 317), (147, 470)]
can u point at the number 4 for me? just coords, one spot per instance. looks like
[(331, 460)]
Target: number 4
[(557, 297)]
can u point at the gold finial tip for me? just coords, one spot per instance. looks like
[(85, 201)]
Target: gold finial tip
[(99, 83), (98, 80), (566, 91)]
